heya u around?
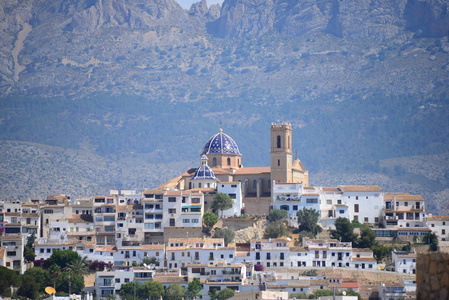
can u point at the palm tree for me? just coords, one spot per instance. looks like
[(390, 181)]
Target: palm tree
[(79, 266)]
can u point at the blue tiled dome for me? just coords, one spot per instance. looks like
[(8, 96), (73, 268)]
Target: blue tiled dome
[(221, 143), (204, 171)]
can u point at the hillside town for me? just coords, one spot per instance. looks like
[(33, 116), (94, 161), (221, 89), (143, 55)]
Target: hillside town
[(167, 234)]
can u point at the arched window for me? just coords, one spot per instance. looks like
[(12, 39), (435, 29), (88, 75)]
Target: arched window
[(279, 162), (229, 161), (254, 184), (278, 141), (285, 207), (214, 161)]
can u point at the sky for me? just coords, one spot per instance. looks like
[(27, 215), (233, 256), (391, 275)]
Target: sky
[(187, 3)]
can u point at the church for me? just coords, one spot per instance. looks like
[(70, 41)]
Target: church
[(221, 163)]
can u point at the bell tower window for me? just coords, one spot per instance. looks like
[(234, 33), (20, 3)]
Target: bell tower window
[(278, 141), (279, 162), (229, 161), (214, 161)]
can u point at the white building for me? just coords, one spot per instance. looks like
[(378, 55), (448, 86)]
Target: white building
[(184, 251), (183, 209), (234, 190), (13, 256), (404, 210), (404, 263), (270, 252), (440, 226)]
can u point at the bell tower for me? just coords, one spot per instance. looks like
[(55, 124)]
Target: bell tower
[(281, 153)]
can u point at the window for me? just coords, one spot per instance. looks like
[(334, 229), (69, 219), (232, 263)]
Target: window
[(195, 221), (254, 184), (279, 162), (214, 161), (268, 255), (185, 220), (295, 207), (278, 141), (172, 210), (356, 197), (356, 208), (443, 231), (341, 211), (366, 220), (311, 200), (117, 280), (329, 201), (195, 200), (171, 199), (229, 161)]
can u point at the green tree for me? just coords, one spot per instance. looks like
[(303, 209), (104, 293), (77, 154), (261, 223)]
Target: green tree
[(275, 230), (78, 266), (29, 288), (367, 238), (356, 223), (277, 215), (54, 271), (432, 240), (193, 289), (380, 252), (222, 295), (308, 219), (209, 220), (150, 261), (152, 290), (128, 290), (320, 293), (41, 276), (8, 278), (298, 296), (70, 283), (29, 254), (63, 257), (222, 202), (344, 231), (30, 240), (174, 292), (225, 233)]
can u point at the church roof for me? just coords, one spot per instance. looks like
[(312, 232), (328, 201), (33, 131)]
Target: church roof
[(204, 171), (221, 143)]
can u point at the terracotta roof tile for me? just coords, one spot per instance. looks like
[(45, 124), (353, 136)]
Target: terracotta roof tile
[(438, 218), (360, 188), (252, 170)]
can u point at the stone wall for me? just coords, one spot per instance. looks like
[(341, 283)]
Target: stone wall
[(182, 232), (432, 278)]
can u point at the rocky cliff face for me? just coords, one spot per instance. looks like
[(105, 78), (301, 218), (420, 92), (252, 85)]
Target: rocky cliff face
[(379, 19)]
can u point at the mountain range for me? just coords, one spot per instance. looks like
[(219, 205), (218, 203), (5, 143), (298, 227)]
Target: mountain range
[(129, 91)]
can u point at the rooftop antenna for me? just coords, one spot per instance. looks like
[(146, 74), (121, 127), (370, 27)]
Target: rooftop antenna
[(221, 124)]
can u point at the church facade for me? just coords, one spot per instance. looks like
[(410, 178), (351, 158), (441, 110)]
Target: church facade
[(222, 165)]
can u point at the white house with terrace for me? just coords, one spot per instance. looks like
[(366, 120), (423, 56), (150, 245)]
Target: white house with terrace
[(181, 252)]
